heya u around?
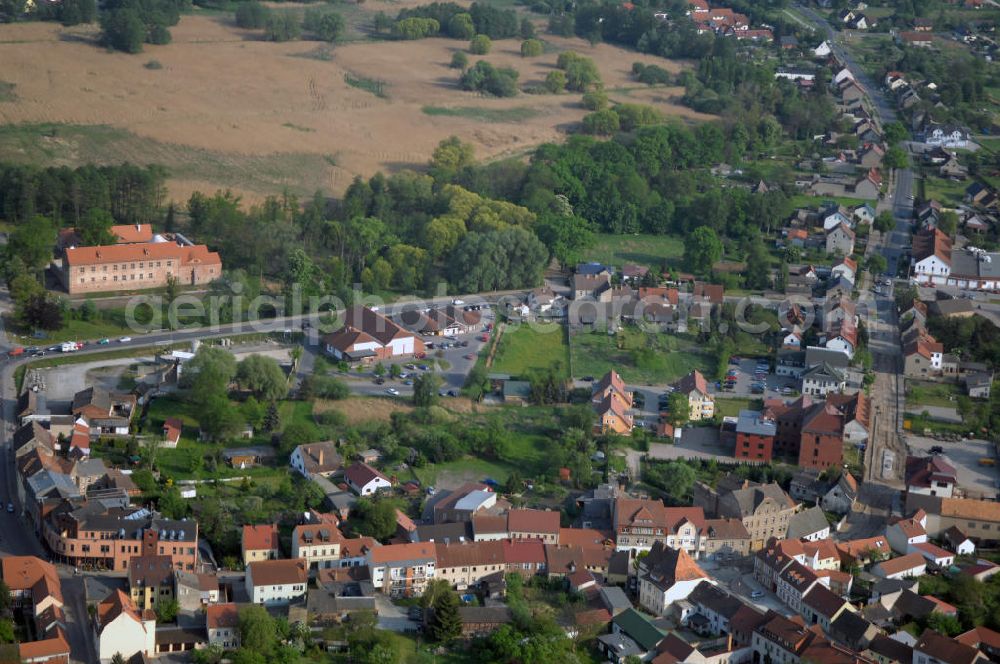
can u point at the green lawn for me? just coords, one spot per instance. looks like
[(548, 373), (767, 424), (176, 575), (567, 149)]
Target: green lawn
[(732, 407), (807, 201), (945, 191), (489, 115), (643, 249), (930, 394), (652, 359), (527, 347)]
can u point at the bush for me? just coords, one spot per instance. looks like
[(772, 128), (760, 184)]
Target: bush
[(153, 64), (602, 123), (651, 74), (459, 60), (484, 77), (531, 48), (595, 100), (158, 34), (555, 82), (251, 15), (415, 28), (281, 27), (581, 72), (327, 26), (480, 45), (637, 115)]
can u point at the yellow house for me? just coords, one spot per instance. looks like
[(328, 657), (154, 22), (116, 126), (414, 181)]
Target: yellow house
[(695, 387), (150, 581)]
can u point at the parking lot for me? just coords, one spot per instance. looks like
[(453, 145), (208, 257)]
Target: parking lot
[(748, 375), (977, 480)]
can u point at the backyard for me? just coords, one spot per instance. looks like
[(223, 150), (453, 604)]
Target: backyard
[(643, 249), (528, 347), (919, 394), (640, 357)]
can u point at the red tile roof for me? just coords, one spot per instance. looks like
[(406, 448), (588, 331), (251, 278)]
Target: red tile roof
[(533, 521), (120, 253), (360, 474), (132, 233), (260, 538), (398, 553), (221, 615), (280, 572), (114, 605), (931, 242)]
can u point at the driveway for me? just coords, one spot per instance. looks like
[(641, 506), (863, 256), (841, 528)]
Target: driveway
[(392, 617)]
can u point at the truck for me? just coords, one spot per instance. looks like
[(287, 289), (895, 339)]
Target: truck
[(69, 347)]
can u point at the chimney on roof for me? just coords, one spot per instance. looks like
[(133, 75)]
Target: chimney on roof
[(138, 227), (321, 456)]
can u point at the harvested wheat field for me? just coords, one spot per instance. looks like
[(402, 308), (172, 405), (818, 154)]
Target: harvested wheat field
[(223, 109)]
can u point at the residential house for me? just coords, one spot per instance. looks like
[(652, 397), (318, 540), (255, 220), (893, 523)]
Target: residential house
[(122, 629), (365, 480), (792, 583), (910, 565), (700, 401), (666, 576), (106, 413), (466, 565), (632, 635), (222, 625), (260, 543), (843, 336), (935, 648), (592, 287), (922, 356), (404, 570), (930, 476), (903, 534), (764, 510), (150, 581), (612, 402), (978, 385), (841, 497), (982, 638), (318, 541), (810, 524), (716, 607), (959, 542), (533, 524), (823, 379), (932, 254), (172, 428), (755, 434), (277, 582), (638, 523), (316, 459), (195, 591), (821, 606), (822, 436), (845, 268), (886, 650)]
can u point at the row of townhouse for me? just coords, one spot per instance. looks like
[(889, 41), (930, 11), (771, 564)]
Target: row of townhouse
[(36, 591)]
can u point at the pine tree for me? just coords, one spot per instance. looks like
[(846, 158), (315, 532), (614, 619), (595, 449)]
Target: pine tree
[(117, 659), (447, 624), (272, 420)]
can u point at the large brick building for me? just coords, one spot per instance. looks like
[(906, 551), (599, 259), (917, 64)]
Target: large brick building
[(127, 267)]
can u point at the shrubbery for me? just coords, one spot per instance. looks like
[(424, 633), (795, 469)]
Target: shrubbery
[(415, 28), (484, 77)]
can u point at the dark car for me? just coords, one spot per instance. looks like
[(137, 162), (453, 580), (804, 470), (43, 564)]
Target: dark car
[(379, 380), (588, 379), (937, 449)]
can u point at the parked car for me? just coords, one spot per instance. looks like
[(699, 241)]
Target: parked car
[(379, 380)]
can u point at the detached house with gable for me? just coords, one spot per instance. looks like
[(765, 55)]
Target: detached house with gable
[(666, 576), (701, 402), (365, 480), (315, 459), (931, 250)]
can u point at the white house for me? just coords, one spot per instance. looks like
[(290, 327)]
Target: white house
[(932, 553), (666, 576), (792, 338), (365, 480), (959, 542), (845, 268), (276, 582), (931, 251), (315, 459), (842, 75), (822, 50), (222, 626), (903, 534), (793, 583), (864, 214), (122, 630), (823, 379), (904, 567), (836, 218)]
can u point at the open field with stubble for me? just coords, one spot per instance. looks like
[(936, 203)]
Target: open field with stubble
[(228, 110)]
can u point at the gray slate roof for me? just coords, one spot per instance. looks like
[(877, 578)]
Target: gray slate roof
[(807, 522)]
